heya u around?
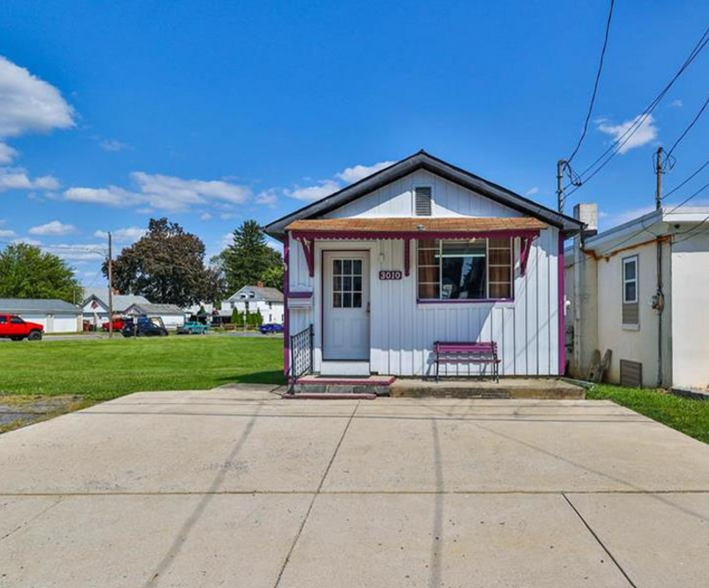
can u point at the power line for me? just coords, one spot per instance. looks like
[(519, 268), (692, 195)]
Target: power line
[(689, 127), (618, 144), (692, 176), (595, 83)]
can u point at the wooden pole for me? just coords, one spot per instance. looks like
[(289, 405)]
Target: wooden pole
[(110, 287)]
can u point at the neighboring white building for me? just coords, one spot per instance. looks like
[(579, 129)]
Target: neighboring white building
[(56, 316), (640, 290), (267, 301), (95, 304), (172, 315), (419, 252)]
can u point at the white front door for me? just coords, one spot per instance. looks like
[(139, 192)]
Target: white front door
[(346, 305)]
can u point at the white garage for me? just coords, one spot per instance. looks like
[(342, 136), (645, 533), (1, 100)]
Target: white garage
[(56, 316)]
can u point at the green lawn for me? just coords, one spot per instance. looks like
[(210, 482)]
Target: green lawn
[(691, 417), (104, 369)]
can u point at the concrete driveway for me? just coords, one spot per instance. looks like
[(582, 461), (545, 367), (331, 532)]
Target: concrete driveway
[(236, 487)]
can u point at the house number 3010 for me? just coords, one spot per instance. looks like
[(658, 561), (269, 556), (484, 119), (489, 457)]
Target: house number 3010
[(390, 275)]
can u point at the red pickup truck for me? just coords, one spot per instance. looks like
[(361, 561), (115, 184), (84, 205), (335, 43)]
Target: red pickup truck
[(15, 328)]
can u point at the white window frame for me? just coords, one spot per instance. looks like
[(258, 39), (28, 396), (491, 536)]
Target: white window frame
[(636, 280)]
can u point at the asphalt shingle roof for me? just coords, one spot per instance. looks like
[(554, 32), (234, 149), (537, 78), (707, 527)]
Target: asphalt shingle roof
[(37, 305), (260, 293)]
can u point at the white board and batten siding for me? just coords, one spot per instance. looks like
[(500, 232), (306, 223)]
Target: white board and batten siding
[(402, 330)]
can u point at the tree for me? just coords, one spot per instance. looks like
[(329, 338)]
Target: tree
[(273, 276), (248, 259), (166, 266), (26, 272)]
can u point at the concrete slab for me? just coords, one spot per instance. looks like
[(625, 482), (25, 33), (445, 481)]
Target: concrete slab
[(508, 453), (131, 541), (16, 514), (660, 540), (99, 451), (447, 540)]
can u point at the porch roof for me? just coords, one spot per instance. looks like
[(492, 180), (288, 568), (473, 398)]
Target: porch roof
[(413, 227)]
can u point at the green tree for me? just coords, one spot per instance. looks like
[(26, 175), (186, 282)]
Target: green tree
[(27, 272), (248, 259), (167, 266), (273, 276)]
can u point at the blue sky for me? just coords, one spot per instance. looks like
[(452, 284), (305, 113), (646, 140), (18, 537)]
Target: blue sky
[(214, 112)]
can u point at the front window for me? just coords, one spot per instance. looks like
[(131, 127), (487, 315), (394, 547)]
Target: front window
[(16, 320), (347, 283), (630, 280), (475, 269)]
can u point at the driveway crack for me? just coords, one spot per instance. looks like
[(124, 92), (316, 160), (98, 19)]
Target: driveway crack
[(315, 495), (598, 540)]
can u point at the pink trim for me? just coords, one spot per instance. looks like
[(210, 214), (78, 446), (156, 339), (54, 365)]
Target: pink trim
[(286, 313), (311, 235), (562, 321), (309, 250), (407, 257), (524, 254)]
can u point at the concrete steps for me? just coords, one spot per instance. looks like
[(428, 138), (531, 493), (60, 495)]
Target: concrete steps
[(333, 386)]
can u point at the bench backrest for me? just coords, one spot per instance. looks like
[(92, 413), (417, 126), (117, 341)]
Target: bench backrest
[(466, 347)]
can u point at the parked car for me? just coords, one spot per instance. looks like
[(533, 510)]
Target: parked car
[(118, 324), (16, 328), (269, 328), (144, 326), (193, 328)]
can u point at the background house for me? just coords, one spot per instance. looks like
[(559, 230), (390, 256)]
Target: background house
[(640, 291), (266, 301), (95, 304), (57, 316), (172, 315)]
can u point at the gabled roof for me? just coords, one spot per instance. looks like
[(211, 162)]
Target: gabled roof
[(261, 293), (120, 301), (423, 160), (156, 309), (31, 305)]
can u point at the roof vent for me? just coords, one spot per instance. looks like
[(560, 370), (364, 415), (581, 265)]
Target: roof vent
[(422, 196)]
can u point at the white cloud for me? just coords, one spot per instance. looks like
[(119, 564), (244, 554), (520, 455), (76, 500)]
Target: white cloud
[(6, 233), (28, 104), (53, 228), (228, 215), (112, 145), (613, 219), (322, 189), (7, 154), (645, 132), (532, 191), (17, 179), (126, 235), (205, 216), (677, 103), (156, 191), (358, 172), (267, 198)]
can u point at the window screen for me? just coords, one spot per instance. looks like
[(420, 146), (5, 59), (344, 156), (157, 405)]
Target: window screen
[(423, 201)]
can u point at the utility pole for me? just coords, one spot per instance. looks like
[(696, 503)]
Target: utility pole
[(110, 287), (658, 172), (560, 184), (658, 302)]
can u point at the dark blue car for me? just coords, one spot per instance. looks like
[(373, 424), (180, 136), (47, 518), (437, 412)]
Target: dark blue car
[(271, 328)]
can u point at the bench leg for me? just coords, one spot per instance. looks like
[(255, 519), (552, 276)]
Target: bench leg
[(438, 362)]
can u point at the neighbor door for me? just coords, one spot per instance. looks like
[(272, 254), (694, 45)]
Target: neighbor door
[(346, 305)]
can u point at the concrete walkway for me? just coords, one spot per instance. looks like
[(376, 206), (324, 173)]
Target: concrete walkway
[(236, 487)]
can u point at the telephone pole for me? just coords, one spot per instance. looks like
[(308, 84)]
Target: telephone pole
[(658, 180), (560, 184), (110, 287)]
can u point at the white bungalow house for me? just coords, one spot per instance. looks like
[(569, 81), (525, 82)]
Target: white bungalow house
[(56, 316), (420, 252), (95, 304), (266, 301), (639, 290)]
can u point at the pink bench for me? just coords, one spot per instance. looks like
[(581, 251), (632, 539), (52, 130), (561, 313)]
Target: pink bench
[(483, 353)]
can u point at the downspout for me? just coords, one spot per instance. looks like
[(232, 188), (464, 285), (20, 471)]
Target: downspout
[(286, 313), (658, 303)]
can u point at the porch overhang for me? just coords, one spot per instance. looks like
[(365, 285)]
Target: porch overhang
[(306, 232)]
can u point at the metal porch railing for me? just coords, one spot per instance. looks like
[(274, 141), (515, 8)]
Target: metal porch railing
[(301, 355)]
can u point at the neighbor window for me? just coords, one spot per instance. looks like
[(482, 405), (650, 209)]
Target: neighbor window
[(475, 269), (630, 280)]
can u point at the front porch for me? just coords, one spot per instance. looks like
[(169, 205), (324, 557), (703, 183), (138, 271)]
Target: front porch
[(507, 388)]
